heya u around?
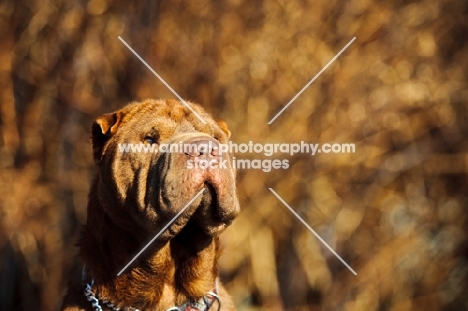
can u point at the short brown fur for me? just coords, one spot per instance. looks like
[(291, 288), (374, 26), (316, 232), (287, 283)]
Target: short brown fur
[(135, 195)]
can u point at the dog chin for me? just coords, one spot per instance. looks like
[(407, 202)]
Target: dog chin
[(214, 231)]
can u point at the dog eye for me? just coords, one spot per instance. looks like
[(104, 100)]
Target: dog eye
[(151, 137), (150, 140)]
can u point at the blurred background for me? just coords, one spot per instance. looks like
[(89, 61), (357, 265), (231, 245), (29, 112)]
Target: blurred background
[(396, 210)]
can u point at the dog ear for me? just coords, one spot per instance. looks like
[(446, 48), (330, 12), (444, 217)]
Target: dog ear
[(103, 128), (224, 127)]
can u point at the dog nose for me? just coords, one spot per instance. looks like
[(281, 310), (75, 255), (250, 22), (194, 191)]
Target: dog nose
[(202, 147)]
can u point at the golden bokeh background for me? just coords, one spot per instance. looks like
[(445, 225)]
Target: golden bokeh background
[(395, 210)]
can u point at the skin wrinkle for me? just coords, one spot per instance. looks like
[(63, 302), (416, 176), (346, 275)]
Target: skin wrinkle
[(136, 194)]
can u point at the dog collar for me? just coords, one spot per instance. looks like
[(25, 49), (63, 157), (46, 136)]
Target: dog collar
[(203, 304), (94, 300)]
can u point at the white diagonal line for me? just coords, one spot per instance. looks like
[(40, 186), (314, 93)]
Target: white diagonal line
[(162, 230), (312, 230), (310, 82), (162, 80)]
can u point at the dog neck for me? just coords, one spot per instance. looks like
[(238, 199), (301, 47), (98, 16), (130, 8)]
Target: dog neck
[(168, 273)]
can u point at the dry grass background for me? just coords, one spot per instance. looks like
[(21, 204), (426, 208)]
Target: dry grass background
[(396, 210)]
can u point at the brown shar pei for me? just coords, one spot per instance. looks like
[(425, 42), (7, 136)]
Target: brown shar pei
[(136, 194)]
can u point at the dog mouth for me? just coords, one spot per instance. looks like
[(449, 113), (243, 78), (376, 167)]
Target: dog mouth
[(212, 211), (208, 215), (192, 233), (210, 191)]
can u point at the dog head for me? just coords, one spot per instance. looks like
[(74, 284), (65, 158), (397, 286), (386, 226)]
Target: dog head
[(154, 157)]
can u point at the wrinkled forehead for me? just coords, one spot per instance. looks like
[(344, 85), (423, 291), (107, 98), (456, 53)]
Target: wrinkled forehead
[(169, 119)]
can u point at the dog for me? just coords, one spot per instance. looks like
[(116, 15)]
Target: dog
[(136, 195)]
